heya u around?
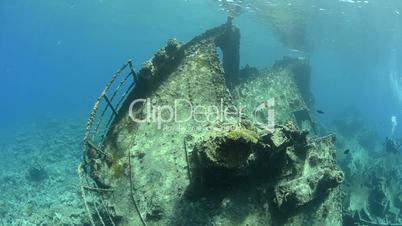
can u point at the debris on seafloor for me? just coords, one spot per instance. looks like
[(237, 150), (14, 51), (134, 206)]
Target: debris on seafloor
[(372, 189), (213, 172)]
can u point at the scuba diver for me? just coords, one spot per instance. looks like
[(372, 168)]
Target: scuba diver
[(392, 145)]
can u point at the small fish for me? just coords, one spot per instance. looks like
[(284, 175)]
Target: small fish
[(346, 151), (320, 112)]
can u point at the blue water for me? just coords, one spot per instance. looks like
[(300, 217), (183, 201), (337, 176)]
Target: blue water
[(57, 55)]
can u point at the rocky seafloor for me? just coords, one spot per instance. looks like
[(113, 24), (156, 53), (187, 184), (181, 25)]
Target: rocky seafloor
[(54, 147), (38, 178), (211, 173)]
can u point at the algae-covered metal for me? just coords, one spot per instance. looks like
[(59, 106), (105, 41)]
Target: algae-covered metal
[(196, 171)]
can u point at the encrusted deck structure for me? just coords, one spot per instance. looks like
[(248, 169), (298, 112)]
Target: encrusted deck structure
[(210, 172)]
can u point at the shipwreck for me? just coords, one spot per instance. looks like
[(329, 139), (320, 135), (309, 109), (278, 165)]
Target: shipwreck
[(205, 172)]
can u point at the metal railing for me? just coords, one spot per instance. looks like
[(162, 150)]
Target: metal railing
[(94, 139), (104, 112)]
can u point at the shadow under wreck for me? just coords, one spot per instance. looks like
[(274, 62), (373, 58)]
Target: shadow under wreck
[(209, 172)]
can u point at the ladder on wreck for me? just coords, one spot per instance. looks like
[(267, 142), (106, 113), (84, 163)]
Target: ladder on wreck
[(104, 112)]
